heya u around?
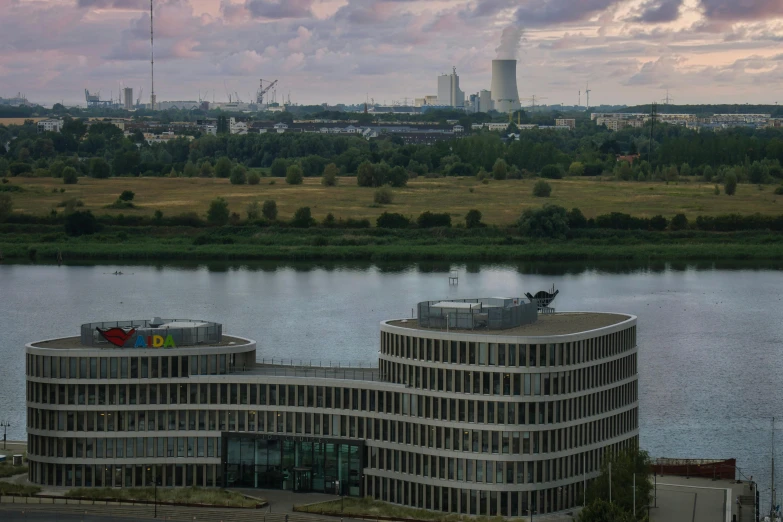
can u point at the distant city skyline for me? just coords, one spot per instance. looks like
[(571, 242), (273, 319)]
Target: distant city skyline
[(341, 51)]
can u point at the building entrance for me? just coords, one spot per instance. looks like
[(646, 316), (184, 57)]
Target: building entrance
[(303, 480)]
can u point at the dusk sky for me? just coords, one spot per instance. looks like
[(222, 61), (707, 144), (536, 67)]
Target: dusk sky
[(631, 51)]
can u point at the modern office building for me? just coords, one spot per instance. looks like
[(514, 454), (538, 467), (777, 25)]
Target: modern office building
[(449, 93), (482, 406)]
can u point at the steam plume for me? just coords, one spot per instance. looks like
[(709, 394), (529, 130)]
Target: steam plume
[(509, 43)]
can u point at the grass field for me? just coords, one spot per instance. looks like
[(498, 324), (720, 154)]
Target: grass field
[(500, 202), (192, 495)]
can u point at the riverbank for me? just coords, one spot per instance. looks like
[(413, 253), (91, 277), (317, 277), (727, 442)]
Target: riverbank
[(45, 243)]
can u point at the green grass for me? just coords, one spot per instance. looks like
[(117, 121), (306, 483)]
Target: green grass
[(7, 470), (7, 488), (501, 202), (193, 495), (368, 507)]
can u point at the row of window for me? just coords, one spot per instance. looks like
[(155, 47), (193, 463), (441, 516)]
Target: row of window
[(89, 475), (439, 437), (503, 354), (371, 401), (153, 367), (500, 383), (118, 448)]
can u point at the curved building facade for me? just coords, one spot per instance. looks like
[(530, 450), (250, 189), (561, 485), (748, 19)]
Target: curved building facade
[(481, 407)]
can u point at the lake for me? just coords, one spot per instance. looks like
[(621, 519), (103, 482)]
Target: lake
[(710, 336)]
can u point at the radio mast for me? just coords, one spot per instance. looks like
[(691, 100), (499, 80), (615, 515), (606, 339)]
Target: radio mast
[(152, 62)]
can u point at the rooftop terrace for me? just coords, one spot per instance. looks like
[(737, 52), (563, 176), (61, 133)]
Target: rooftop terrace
[(75, 343), (562, 323)]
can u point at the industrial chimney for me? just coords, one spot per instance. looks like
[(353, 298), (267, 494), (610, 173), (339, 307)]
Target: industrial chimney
[(505, 96)]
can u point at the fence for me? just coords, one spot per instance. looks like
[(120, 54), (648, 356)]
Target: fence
[(490, 314)]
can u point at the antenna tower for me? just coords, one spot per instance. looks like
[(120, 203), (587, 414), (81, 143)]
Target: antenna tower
[(666, 101), (653, 115), (152, 62), (580, 98)]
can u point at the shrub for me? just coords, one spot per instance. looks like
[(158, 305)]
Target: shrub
[(500, 169), (6, 206), (548, 221), (99, 168), (18, 168), (293, 175), (779, 191), (253, 178), (279, 168), (430, 220), (658, 223), (576, 219), (679, 222), (127, 195), (551, 172), (576, 168), (328, 222), (218, 212), (365, 174), (392, 220), (329, 178), (81, 223), (70, 204), (730, 185), (253, 211), (397, 177), (383, 196), (269, 209), (238, 176), (473, 219), (69, 176), (223, 168), (190, 170), (206, 170), (303, 218), (542, 189)]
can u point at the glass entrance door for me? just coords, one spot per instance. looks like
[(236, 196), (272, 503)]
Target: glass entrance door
[(303, 479)]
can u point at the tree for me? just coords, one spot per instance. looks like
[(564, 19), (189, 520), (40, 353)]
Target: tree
[(190, 170), (679, 222), (730, 184), (576, 219), (659, 223), (293, 175), (625, 464), (577, 168), (69, 176), (500, 169), (269, 209), (708, 173), (473, 219), (365, 174), (685, 170), (127, 195), (80, 223), (600, 510), (206, 169), (223, 167), (238, 176), (551, 172), (548, 221), (383, 196), (430, 220), (542, 189), (392, 220), (303, 218), (253, 178), (397, 177), (313, 165), (99, 168), (278, 168), (6, 206), (253, 211), (329, 178), (218, 212), (757, 173)]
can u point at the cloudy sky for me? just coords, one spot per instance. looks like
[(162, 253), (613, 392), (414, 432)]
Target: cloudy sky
[(630, 51)]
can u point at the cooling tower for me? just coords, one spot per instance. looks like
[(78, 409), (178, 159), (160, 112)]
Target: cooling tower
[(505, 96)]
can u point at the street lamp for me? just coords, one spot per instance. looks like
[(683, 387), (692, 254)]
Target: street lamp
[(155, 496), (5, 425)]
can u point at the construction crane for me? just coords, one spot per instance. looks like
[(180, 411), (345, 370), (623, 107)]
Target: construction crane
[(263, 90)]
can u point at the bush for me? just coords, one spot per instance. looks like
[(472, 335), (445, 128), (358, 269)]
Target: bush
[(473, 219), (679, 222), (500, 169), (542, 189), (99, 168), (658, 223), (6, 206), (383, 196), (329, 178), (551, 172), (365, 174), (238, 176), (81, 223), (269, 209), (303, 218), (392, 220), (730, 185), (253, 178), (206, 170), (328, 222), (430, 220), (779, 191), (576, 219), (253, 211), (218, 212), (223, 168), (18, 168), (293, 175), (279, 168), (69, 176), (127, 195), (549, 221)]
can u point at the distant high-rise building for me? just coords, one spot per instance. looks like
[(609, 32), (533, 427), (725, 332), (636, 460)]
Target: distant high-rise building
[(449, 93), (485, 101), (128, 98)]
